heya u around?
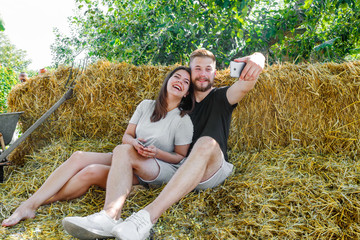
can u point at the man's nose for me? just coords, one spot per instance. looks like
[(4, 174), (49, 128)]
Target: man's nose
[(203, 73)]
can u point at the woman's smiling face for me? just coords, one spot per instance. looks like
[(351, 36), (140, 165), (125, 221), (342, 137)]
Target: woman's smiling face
[(179, 83)]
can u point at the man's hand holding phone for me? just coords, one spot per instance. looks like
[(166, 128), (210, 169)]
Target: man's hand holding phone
[(236, 68), (248, 68)]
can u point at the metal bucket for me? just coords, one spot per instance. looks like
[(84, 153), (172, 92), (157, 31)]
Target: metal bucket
[(8, 123)]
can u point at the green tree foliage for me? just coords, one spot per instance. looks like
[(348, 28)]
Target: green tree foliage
[(148, 31), (2, 26), (7, 80), (12, 57), (166, 32), (308, 30)]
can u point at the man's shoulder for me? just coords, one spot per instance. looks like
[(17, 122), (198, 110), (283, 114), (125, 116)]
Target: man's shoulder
[(219, 90), (222, 88), (220, 97)]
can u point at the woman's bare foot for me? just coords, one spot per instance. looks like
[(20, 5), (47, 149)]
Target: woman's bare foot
[(21, 213)]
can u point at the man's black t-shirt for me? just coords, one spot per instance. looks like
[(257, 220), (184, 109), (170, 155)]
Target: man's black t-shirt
[(212, 117)]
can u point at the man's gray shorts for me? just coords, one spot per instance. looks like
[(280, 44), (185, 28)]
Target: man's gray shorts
[(167, 170)]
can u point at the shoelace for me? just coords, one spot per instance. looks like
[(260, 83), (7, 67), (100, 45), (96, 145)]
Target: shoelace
[(137, 220)]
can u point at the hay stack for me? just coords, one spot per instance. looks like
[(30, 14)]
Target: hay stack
[(305, 105)]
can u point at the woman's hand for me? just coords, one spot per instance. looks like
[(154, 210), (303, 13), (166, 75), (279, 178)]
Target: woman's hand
[(138, 144), (148, 152)]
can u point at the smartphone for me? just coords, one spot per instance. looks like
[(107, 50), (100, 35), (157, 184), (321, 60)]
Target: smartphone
[(236, 68), (141, 143)]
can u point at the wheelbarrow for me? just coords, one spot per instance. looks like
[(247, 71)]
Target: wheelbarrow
[(7, 151)]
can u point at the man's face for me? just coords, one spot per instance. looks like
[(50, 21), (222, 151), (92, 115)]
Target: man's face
[(202, 73), (22, 78)]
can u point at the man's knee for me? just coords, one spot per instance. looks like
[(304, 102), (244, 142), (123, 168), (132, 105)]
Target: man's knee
[(207, 150), (206, 145)]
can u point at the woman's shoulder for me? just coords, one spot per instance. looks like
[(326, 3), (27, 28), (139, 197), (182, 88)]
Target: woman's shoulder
[(147, 103), (185, 120)]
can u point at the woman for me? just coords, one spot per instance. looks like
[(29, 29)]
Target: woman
[(83, 169)]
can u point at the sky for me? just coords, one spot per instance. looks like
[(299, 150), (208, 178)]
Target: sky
[(29, 26)]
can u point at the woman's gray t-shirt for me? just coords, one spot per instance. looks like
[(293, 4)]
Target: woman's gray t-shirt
[(165, 133)]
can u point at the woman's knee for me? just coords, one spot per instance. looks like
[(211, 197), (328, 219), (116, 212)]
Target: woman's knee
[(126, 153), (123, 148), (76, 160), (92, 174)]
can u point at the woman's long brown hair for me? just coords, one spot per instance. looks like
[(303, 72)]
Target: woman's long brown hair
[(186, 105)]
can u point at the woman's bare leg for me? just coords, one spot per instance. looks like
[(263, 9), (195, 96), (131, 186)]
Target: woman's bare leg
[(126, 162), (78, 185), (55, 182)]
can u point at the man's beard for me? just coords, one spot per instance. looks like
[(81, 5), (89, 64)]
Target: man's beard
[(202, 89)]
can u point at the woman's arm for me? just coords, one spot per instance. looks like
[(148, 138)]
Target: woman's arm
[(130, 137), (179, 153)]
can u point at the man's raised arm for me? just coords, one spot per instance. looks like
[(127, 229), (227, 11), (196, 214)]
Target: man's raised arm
[(254, 65)]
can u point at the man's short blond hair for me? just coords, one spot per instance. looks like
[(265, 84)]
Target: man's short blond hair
[(202, 52)]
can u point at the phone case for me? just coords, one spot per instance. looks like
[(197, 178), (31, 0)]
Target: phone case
[(236, 68)]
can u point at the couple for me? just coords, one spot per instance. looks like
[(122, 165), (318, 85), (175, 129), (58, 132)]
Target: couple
[(162, 160)]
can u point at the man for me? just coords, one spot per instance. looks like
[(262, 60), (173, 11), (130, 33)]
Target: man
[(42, 70), (22, 77), (205, 167)]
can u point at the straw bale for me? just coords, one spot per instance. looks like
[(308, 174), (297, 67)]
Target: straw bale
[(283, 193), (303, 105)]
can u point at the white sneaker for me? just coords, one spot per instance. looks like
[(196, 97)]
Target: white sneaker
[(135, 227), (95, 226)]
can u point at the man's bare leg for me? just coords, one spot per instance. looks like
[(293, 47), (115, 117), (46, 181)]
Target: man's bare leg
[(204, 160), (55, 182)]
